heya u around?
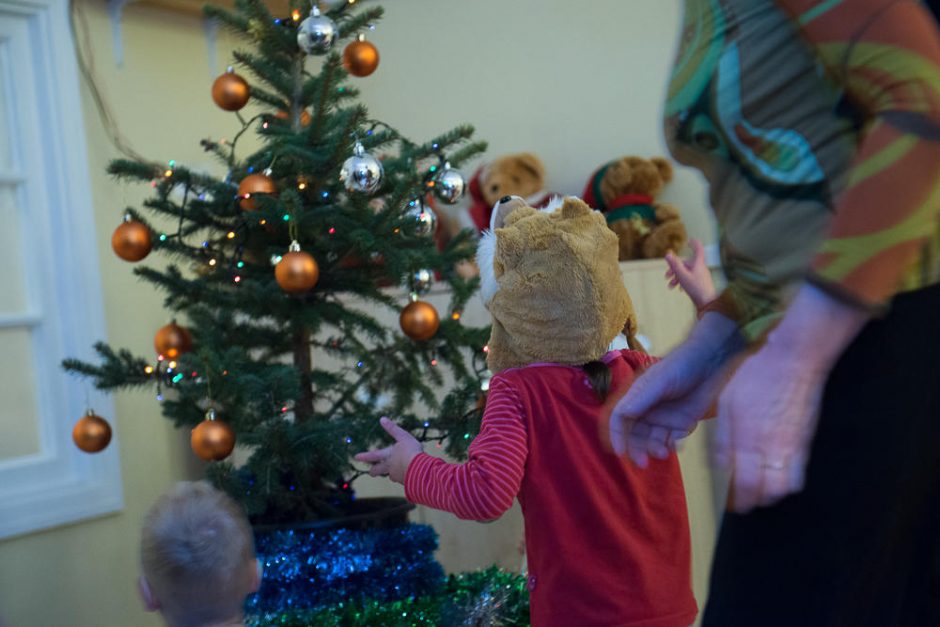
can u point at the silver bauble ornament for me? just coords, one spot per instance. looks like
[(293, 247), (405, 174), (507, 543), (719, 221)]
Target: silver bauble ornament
[(421, 281), (317, 33), (449, 185), (361, 172), (425, 222)]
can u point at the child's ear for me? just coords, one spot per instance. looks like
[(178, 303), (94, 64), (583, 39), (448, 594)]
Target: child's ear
[(151, 603), (259, 573)]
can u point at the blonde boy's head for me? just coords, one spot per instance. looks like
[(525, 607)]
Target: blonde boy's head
[(198, 557)]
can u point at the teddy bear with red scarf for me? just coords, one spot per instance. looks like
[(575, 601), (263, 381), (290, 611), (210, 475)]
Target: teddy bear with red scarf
[(625, 191)]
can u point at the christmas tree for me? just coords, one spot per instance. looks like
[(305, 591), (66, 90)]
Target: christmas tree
[(283, 264)]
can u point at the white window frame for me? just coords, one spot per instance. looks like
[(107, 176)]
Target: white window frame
[(65, 314)]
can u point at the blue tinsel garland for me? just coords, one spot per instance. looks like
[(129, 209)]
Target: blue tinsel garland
[(319, 568), (492, 597)]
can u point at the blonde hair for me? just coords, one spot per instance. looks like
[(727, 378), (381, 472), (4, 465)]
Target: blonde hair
[(197, 553)]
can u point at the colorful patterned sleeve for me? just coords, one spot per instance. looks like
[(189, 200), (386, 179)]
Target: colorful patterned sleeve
[(886, 228)]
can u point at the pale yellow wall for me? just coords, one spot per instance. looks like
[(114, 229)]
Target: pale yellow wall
[(577, 83)]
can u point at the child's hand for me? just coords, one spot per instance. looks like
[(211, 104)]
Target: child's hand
[(693, 275), (392, 460)]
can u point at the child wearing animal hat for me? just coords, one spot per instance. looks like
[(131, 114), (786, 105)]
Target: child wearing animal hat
[(607, 542)]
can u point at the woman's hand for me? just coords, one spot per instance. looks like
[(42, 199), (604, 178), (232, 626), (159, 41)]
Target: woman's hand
[(767, 417), (392, 460), (666, 402), (768, 412)]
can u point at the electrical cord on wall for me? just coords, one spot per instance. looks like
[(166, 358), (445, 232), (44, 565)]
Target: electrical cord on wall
[(81, 35)]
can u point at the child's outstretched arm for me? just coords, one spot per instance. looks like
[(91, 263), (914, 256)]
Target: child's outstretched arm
[(483, 487), (693, 275), (392, 461)]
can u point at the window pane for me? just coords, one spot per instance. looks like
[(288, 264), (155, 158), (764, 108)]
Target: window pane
[(19, 419), (13, 277)]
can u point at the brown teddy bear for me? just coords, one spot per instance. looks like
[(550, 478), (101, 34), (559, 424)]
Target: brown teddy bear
[(521, 174), (625, 190)]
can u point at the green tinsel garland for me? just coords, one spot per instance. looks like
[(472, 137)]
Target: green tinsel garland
[(490, 597)]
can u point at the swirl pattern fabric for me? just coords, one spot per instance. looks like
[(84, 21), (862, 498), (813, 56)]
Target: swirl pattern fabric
[(817, 124)]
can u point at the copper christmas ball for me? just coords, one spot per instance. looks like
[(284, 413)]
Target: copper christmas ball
[(419, 320), (297, 272), (131, 241), (304, 117), (91, 433), (172, 341), (230, 91), (212, 440), (251, 185), (360, 58)]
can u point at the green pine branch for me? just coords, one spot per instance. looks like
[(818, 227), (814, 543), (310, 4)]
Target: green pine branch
[(117, 370)]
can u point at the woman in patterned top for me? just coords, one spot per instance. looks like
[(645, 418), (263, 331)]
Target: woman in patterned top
[(817, 125)]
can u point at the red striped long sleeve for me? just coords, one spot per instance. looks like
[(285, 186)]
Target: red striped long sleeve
[(483, 487)]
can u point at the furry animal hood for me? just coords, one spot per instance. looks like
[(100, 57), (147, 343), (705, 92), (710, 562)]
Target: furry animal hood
[(551, 281)]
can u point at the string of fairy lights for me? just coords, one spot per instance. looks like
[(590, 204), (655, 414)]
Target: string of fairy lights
[(296, 270)]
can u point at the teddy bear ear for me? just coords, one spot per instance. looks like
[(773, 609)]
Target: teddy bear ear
[(531, 163), (664, 167), (574, 208)]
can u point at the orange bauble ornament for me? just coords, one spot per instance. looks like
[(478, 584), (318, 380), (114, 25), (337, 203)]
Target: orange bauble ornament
[(360, 57), (172, 341), (91, 433), (255, 184), (131, 240), (305, 117), (297, 271), (419, 320), (212, 439), (230, 91)]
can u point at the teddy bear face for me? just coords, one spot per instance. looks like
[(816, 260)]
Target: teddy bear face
[(635, 175), (552, 283), (513, 175), (625, 190)]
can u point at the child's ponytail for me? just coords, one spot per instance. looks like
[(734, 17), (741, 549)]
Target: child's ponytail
[(598, 373)]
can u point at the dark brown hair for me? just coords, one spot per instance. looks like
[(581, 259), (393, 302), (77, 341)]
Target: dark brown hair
[(598, 373)]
